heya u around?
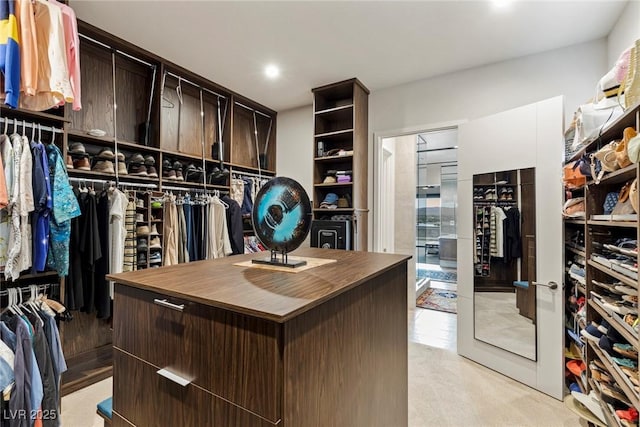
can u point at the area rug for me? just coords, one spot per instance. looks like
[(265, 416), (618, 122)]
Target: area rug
[(441, 276), (438, 299)]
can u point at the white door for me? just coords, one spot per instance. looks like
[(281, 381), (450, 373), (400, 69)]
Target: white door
[(525, 137)]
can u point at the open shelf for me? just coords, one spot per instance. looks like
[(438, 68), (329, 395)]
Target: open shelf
[(336, 133), (574, 221), (337, 184), (576, 251), (621, 277), (35, 115), (617, 177), (346, 157), (625, 224), (622, 383), (339, 210), (613, 321)]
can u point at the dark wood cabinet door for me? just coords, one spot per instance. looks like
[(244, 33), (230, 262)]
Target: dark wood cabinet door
[(233, 356)]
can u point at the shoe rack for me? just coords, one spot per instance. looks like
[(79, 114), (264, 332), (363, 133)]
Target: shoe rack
[(150, 244), (601, 291)]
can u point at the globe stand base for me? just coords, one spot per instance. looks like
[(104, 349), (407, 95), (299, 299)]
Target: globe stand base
[(282, 262)]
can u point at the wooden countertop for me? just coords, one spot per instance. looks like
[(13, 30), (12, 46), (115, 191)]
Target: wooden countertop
[(272, 295)]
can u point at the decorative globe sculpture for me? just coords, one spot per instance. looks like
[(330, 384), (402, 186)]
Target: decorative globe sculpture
[(281, 219)]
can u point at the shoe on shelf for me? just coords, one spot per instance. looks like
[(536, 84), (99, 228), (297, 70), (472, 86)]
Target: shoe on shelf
[(630, 414), (137, 169), (122, 169), (142, 245), (139, 217), (179, 176), (623, 361), (154, 243), (106, 153), (151, 172), (154, 230), (143, 230), (142, 258), (140, 203), (156, 204), (76, 148), (155, 258), (104, 166)]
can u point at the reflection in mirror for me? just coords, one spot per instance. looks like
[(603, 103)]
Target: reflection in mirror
[(504, 260)]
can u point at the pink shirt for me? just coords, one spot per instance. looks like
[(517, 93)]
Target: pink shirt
[(72, 44)]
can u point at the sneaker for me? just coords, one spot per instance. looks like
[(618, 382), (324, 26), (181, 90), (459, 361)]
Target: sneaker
[(76, 148), (154, 230), (137, 169), (156, 204), (122, 169), (143, 230), (104, 166), (591, 333), (151, 172), (149, 160), (179, 176), (154, 243), (137, 159), (139, 217), (142, 245), (140, 203), (630, 414), (82, 163), (155, 258), (106, 153), (142, 259)]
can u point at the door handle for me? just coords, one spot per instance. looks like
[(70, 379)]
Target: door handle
[(173, 377), (165, 303), (550, 285)]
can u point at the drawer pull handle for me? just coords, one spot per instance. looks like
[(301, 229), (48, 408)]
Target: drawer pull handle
[(165, 303), (173, 377)]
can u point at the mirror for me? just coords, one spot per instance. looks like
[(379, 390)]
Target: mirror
[(505, 260)]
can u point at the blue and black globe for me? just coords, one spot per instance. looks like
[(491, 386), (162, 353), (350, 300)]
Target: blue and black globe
[(281, 214)]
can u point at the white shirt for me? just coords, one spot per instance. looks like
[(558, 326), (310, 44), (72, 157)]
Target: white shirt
[(117, 232)]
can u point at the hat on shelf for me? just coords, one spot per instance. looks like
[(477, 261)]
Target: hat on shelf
[(343, 202), (106, 153), (76, 148), (330, 201), (344, 178), (329, 179)]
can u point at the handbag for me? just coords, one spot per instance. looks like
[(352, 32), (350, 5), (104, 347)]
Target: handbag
[(610, 202), (572, 177), (606, 157), (624, 206), (622, 156), (633, 149), (592, 118), (633, 195), (574, 207)]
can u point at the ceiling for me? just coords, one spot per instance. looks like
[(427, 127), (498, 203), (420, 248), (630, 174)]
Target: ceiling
[(383, 43)]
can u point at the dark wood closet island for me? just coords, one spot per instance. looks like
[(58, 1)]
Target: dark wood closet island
[(213, 344)]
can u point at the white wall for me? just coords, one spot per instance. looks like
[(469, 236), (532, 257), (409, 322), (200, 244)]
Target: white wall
[(572, 71), (294, 153), (626, 31)]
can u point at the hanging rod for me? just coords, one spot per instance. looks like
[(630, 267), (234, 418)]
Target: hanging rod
[(42, 287), (190, 189), (118, 51), (195, 84), (252, 109), (112, 182), (24, 123), (249, 174)]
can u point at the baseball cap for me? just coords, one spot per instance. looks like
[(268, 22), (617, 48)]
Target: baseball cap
[(330, 201)]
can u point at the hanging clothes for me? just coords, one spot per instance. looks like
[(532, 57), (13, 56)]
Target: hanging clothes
[(73, 284), (513, 243), (170, 232), (12, 268), (117, 230), (91, 250), (28, 47), (43, 203), (10, 52), (130, 248), (72, 50), (100, 299), (64, 208), (6, 150), (183, 249), (188, 217), (234, 225), (53, 86), (26, 205)]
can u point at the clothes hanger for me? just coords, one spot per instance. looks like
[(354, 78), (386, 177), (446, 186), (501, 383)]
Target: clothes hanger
[(33, 132), (165, 102), (179, 90)]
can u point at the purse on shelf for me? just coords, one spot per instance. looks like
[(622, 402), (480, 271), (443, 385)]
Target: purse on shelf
[(632, 78), (606, 157), (573, 178), (610, 202), (633, 149), (624, 206), (633, 195), (574, 207), (622, 155)]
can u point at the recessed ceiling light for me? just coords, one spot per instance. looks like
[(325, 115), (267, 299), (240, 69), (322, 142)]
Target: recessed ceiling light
[(501, 4), (271, 71)]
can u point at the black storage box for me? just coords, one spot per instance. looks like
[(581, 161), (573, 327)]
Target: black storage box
[(331, 234)]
